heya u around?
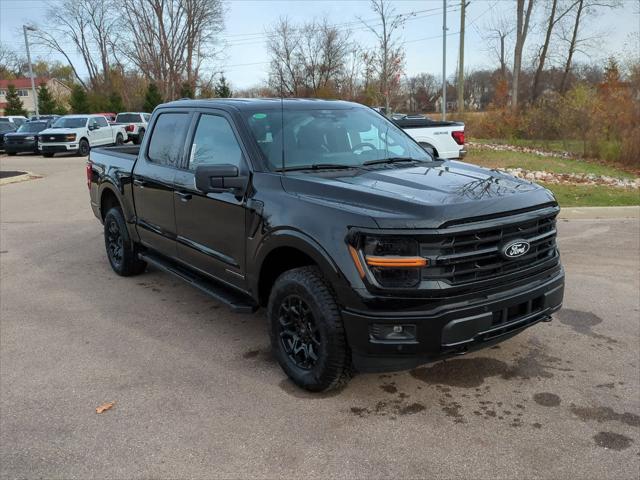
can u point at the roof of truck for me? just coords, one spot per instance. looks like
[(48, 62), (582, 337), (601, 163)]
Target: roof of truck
[(264, 103)]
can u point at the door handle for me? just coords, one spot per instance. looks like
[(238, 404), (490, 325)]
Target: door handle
[(184, 196), (139, 183)]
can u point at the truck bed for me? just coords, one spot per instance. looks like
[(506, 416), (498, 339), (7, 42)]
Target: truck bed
[(425, 123)]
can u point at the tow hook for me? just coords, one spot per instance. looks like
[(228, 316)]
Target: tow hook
[(547, 319)]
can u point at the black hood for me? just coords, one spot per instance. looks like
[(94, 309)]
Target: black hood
[(419, 196)]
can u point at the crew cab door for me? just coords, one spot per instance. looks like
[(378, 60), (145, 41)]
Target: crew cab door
[(211, 227), (153, 181), (99, 131)]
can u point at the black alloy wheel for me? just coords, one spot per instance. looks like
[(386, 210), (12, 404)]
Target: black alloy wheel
[(299, 334), (115, 243)]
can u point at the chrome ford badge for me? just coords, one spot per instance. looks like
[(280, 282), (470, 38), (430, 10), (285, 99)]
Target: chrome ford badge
[(515, 249)]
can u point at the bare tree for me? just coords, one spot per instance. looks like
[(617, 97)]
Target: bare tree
[(555, 15), (389, 56), (86, 26), (170, 39), (523, 16), (309, 60), (574, 37), (499, 30)]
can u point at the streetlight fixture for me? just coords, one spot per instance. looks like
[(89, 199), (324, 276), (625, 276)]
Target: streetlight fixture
[(33, 84)]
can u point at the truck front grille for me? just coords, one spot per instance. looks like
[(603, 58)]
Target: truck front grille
[(474, 255), (53, 137)]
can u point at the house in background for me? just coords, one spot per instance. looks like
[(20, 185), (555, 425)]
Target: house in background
[(58, 89)]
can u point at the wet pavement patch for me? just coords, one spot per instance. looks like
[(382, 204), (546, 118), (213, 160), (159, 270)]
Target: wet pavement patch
[(251, 354), (547, 399), (389, 387), (614, 441), (583, 322), (605, 414)]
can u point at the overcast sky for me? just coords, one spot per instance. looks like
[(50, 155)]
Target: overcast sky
[(246, 64)]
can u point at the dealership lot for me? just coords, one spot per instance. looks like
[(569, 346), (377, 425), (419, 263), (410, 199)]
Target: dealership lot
[(197, 393)]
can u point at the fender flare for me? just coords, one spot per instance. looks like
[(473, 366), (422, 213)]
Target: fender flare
[(294, 239)]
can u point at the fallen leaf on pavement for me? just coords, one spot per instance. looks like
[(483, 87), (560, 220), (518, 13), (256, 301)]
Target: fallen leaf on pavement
[(104, 407)]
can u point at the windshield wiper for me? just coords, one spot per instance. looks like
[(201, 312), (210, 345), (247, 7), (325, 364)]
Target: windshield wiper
[(318, 166), (390, 160)]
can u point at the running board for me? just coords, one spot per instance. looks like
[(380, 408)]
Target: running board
[(236, 301)]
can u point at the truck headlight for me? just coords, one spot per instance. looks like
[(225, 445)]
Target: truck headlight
[(395, 262), (71, 137)]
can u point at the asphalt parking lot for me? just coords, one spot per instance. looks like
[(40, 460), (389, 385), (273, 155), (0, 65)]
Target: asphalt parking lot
[(197, 393)]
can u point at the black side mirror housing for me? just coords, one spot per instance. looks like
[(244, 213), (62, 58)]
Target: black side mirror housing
[(220, 178)]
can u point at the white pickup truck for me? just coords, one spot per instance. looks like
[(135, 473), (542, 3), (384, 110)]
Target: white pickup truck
[(441, 139), (78, 134), (135, 123)]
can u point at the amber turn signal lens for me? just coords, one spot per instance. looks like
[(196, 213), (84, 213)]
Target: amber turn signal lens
[(356, 259), (396, 262)]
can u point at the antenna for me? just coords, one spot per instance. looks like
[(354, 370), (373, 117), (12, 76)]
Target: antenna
[(282, 123)]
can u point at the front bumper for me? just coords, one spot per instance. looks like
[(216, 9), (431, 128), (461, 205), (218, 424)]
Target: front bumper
[(21, 147), (58, 147), (448, 331)]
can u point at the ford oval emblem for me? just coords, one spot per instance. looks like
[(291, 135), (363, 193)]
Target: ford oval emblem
[(516, 248)]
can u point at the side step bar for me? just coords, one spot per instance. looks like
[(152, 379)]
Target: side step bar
[(236, 301)]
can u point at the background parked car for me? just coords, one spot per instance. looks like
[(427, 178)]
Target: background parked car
[(16, 120), (5, 127), (78, 134), (135, 124), (25, 139)]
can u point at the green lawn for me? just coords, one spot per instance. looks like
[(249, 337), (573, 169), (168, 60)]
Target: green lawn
[(593, 195), (530, 161)]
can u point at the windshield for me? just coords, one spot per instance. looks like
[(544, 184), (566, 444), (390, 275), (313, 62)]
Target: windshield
[(70, 122), (128, 118), (316, 138), (32, 127)]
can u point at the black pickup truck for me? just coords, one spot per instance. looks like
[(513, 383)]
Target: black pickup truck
[(367, 253)]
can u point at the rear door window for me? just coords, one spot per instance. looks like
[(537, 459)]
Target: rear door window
[(167, 139)]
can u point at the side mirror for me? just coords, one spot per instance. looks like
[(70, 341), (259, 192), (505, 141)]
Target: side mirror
[(220, 178), (93, 127)]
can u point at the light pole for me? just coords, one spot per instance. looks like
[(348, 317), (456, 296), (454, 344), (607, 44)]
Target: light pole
[(33, 84), (444, 60)]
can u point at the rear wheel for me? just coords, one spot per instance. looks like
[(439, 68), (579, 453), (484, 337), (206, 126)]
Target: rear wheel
[(119, 139), (307, 333), (121, 251), (140, 136), (83, 148), (429, 149)]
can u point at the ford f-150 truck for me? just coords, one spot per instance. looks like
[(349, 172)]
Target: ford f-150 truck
[(440, 139), (135, 123), (78, 134), (367, 253)]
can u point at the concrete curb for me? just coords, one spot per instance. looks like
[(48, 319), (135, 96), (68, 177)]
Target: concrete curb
[(20, 178), (590, 213)]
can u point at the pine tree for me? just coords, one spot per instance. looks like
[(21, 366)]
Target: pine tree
[(14, 104), (78, 100), (115, 103), (152, 98), (46, 103), (222, 88), (186, 91)]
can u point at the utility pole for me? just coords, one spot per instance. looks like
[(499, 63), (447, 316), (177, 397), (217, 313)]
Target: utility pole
[(33, 84), (444, 60), (460, 94)]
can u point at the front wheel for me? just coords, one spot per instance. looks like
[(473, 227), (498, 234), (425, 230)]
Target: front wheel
[(83, 148), (306, 330), (121, 251)]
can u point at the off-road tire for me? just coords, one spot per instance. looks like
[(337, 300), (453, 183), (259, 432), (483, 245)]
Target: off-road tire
[(126, 263), (332, 369)]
